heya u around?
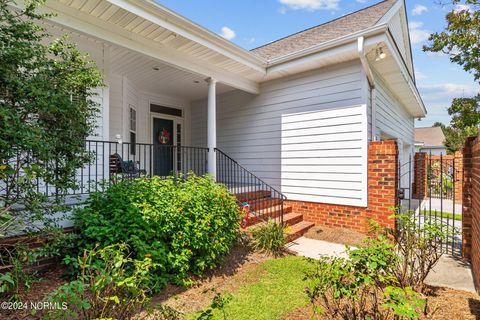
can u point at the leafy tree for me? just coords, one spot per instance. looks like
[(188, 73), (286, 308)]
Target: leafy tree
[(461, 41), (46, 112), (461, 37), (465, 112), (455, 137)]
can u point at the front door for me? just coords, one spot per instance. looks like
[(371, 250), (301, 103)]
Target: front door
[(163, 152)]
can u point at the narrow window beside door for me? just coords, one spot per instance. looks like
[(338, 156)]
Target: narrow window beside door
[(133, 130)]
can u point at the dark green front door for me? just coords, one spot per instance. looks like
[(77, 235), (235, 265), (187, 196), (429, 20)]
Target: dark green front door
[(163, 146)]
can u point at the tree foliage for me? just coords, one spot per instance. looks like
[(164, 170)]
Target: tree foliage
[(455, 137), (465, 112), (461, 37), (46, 111)]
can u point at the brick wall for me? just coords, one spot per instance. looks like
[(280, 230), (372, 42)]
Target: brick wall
[(419, 187), (471, 206), (382, 195)]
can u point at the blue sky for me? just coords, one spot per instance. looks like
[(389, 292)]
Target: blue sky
[(251, 23)]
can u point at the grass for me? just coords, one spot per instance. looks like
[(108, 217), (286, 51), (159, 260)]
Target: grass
[(278, 291), (445, 215)]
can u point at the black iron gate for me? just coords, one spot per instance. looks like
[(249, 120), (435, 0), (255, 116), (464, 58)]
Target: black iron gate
[(434, 200)]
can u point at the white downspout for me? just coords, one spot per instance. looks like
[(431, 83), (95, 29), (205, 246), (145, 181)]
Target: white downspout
[(371, 84)]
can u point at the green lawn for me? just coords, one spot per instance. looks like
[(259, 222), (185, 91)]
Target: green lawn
[(278, 291), (445, 215)]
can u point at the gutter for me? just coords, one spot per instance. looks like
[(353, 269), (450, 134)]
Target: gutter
[(371, 83), (329, 44)]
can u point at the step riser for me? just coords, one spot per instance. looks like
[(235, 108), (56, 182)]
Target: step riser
[(260, 204), (251, 196), (263, 216), (294, 220), (298, 233)]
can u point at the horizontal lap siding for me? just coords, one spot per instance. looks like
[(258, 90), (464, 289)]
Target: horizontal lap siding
[(250, 130), (331, 177), (392, 118)]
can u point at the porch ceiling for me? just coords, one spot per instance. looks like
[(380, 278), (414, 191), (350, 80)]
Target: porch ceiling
[(167, 80), (156, 32)]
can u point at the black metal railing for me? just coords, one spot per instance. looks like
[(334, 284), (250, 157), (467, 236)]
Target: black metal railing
[(111, 162), (262, 201)]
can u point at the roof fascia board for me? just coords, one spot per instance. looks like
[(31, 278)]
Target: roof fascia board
[(327, 45), (389, 42), (406, 73), (187, 29), (96, 28), (390, 13)]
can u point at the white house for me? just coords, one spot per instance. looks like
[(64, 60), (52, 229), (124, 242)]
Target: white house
[(297, 113)]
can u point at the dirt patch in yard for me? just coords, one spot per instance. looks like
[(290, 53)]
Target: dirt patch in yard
[(443, 304), (49, 281), (240, 267), (342, 236)]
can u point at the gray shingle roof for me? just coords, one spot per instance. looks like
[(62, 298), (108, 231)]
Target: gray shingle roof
[(331, 30), (431, 136)]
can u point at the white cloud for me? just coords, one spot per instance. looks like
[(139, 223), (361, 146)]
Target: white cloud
[(311, 5), (419, 75), (447, 90), (362, 1), (227, 33), (282, 10), (438, 97), (418, 9), (461, 7), (417, 34)]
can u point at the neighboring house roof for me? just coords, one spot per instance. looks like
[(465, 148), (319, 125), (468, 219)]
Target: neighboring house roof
[(331, 30), (429, 137)]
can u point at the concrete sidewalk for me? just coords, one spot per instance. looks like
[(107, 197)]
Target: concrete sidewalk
[(449, 272)]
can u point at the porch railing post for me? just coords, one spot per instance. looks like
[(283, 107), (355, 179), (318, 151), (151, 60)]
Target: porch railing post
[(212, 127)]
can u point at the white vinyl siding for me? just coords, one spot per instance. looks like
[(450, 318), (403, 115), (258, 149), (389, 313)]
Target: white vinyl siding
[(249, 127), (324, 156), (392, 119)]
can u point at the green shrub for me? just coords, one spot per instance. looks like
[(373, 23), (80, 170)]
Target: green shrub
[(269, 237), (419, 247), (109, 285), (363, 286), (184, 225)]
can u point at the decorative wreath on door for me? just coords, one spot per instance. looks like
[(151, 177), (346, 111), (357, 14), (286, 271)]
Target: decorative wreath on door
[(163, 136)]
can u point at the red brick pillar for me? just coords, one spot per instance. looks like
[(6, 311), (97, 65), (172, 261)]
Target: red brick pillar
[(458, 163), (467, 200), (420, 175), (382, 181)]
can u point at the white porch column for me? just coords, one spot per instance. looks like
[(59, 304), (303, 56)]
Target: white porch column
[(212, 127)]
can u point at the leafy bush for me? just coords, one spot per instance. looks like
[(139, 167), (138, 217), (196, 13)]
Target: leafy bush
[(418, 246), (269, 238), (109, 285), (15, 259), (405, 303), (184, 225), (362, 286)]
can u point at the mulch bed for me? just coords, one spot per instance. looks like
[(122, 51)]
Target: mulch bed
[(49, 281), (443, 304), (342, 236)]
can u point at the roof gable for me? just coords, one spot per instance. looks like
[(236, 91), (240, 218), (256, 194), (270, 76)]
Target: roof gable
[(331, 30)]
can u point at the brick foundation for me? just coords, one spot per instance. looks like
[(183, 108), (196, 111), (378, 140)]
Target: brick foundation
[(471, 206), (382, 195)]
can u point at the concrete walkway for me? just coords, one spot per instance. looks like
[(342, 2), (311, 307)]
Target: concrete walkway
[(449, 272)]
